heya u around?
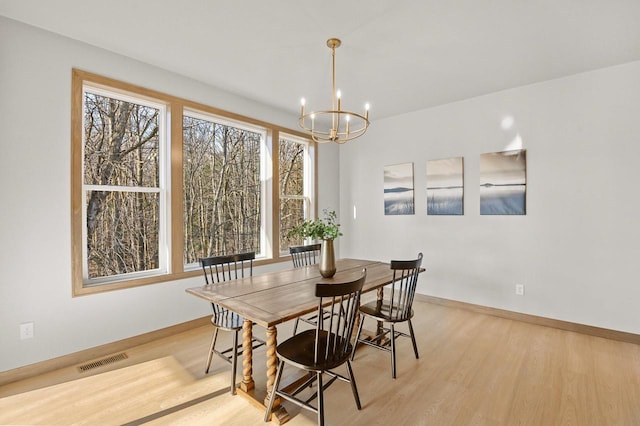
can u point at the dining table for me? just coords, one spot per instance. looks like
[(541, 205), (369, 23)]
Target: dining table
[(273, 298)]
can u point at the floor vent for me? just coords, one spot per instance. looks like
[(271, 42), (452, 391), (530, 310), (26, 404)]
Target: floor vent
[(104, 361)]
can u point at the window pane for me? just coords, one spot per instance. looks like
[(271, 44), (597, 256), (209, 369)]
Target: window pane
[(291, 215), (291, 168), (294, 201), (121, 143), (122, 235), (222, 189)]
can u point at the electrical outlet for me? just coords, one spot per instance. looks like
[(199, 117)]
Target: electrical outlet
[(26, 330), (520, 289)]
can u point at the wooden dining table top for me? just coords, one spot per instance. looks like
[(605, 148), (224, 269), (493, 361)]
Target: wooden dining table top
[(276, 297)]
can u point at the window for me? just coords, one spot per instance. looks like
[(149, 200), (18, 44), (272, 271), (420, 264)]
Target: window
[(158, 182), (223, 187), (123, 189), (296, 189)]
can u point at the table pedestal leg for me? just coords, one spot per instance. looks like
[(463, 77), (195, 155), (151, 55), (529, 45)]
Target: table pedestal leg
[(247, 356), (278, 413), (272, 363)]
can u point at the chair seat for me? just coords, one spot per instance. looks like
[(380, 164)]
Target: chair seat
[(227, 320), (382, 311), (299, 350)]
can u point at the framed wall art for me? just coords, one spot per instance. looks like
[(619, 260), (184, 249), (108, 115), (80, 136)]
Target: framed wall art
[(503, 183), (445, 186), (398, 189)]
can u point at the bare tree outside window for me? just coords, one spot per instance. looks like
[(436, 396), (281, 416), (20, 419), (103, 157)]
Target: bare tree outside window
[(293, 200), (222, 189), (121, 180)]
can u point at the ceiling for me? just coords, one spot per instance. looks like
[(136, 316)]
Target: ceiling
[(400, 55)]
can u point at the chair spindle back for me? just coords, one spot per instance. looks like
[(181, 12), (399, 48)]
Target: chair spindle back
[(337, 328), (225, 268), (305, 255), (403, 287)]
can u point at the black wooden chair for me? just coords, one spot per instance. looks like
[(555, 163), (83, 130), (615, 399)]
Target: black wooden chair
[(218, 269), (305, 256), (396, 307), (322, 349)]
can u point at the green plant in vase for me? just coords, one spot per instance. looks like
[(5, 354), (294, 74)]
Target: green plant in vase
[(318, 229), (326, 229)]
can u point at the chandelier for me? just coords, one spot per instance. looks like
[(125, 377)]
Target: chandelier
[(336, 124)]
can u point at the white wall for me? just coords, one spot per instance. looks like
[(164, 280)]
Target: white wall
[(576, 250), (35, 274)]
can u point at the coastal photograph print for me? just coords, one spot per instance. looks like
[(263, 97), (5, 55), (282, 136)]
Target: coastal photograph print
[(445, 186), (398, 189), (503, 183)]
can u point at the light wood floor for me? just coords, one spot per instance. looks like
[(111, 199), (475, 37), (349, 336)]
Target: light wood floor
[(474, 369)]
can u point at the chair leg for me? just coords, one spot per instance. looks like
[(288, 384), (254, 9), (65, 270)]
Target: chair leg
[(272, 398), (355, 342), (354, 388), (393, 352), (213, 345), (413, 340), (234, 363), (320, 400), (295, 326)]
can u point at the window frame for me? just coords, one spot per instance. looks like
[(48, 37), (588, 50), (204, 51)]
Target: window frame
[(161, 190), (176, 107), (265, 171), (309, 187)]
